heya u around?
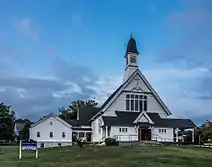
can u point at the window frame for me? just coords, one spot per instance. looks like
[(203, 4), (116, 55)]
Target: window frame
[(38, 134), (133, 59), (136, 102), (63, 135), (51, 135)]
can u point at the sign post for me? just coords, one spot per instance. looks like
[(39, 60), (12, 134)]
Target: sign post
[(28, 145)]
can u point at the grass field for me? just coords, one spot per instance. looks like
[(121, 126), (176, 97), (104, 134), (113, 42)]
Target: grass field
[(125, 156)]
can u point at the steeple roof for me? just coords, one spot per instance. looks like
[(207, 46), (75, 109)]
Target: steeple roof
[(131, 46)]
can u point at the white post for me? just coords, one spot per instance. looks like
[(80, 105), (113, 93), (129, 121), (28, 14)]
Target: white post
[(20, 149), (183, 139), (106, 132), (193, 136), (176, 131), (36, 153)]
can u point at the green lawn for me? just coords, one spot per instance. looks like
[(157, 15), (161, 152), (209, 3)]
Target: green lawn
[(121, 156)]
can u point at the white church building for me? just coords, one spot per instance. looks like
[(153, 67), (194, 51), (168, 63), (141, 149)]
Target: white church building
[(133, 112)]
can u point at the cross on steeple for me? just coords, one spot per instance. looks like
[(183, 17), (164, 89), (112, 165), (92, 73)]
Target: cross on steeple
[(137, 78)]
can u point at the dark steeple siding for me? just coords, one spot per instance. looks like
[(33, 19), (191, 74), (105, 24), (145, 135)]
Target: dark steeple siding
[(131, 47)]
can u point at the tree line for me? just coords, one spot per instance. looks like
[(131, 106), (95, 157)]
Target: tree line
[(8, 119)]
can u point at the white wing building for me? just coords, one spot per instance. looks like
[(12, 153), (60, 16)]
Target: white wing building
[(51, 131)]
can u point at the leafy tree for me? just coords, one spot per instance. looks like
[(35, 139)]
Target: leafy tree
[(205, 131), (64, 113), (71, 112), (24, 134), (7, 117)]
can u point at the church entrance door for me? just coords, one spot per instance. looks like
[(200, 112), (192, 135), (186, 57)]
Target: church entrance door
[(144, 134)]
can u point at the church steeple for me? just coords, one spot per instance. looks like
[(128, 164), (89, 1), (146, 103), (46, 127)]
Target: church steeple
[(131, 57), (131, 46)]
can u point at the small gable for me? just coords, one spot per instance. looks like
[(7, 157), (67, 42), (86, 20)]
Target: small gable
[(143, 118)]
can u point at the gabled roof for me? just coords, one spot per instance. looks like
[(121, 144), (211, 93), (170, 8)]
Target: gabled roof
[(175, 123), (117, 92), (124, 118), (85, 115), (111, 96), (145, 115), (49, 116)]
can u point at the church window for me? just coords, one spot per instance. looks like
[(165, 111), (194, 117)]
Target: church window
[(127, 104), (133, 59), (99, 125), (162, 130), (38, 134), (63, 135), (42, 145), (132, 104), (145, 105), (122, 129), (136, 102), (51, 134)]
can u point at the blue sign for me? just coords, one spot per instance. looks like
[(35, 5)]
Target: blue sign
[(29, 145)]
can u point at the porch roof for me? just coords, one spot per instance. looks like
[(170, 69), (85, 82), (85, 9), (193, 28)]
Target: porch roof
[(124, 118)]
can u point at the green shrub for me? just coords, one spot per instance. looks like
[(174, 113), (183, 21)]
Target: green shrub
[(80, 142), (111, 142)]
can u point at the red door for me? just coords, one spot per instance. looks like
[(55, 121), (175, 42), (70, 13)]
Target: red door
[(139, 134)]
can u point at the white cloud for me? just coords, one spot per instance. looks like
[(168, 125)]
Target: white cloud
[(26, 28)]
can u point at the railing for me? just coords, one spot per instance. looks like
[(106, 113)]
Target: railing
[(126, 138), (158, 138)]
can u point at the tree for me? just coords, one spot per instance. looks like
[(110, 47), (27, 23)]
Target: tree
[(71, 112), (7, 118), (205, 131), (65, 113), (24, 134)]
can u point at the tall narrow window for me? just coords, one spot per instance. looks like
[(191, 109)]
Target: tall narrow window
[(63, 135), (38, 134), (51, 134), (127, 104), (145, 105), (136, 102), (132, 105), (99, 125)]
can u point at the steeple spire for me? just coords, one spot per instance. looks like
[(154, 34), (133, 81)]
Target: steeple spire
[(131, 57), (131, 46)]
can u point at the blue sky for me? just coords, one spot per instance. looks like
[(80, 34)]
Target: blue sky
[(56, 51)]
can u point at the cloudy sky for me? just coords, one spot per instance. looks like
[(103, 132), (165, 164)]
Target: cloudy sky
[(53, 52)]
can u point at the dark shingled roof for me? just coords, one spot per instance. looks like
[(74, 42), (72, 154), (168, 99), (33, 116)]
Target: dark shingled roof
[(131, 46), (85, 114), (175, 123), (127, 118)]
